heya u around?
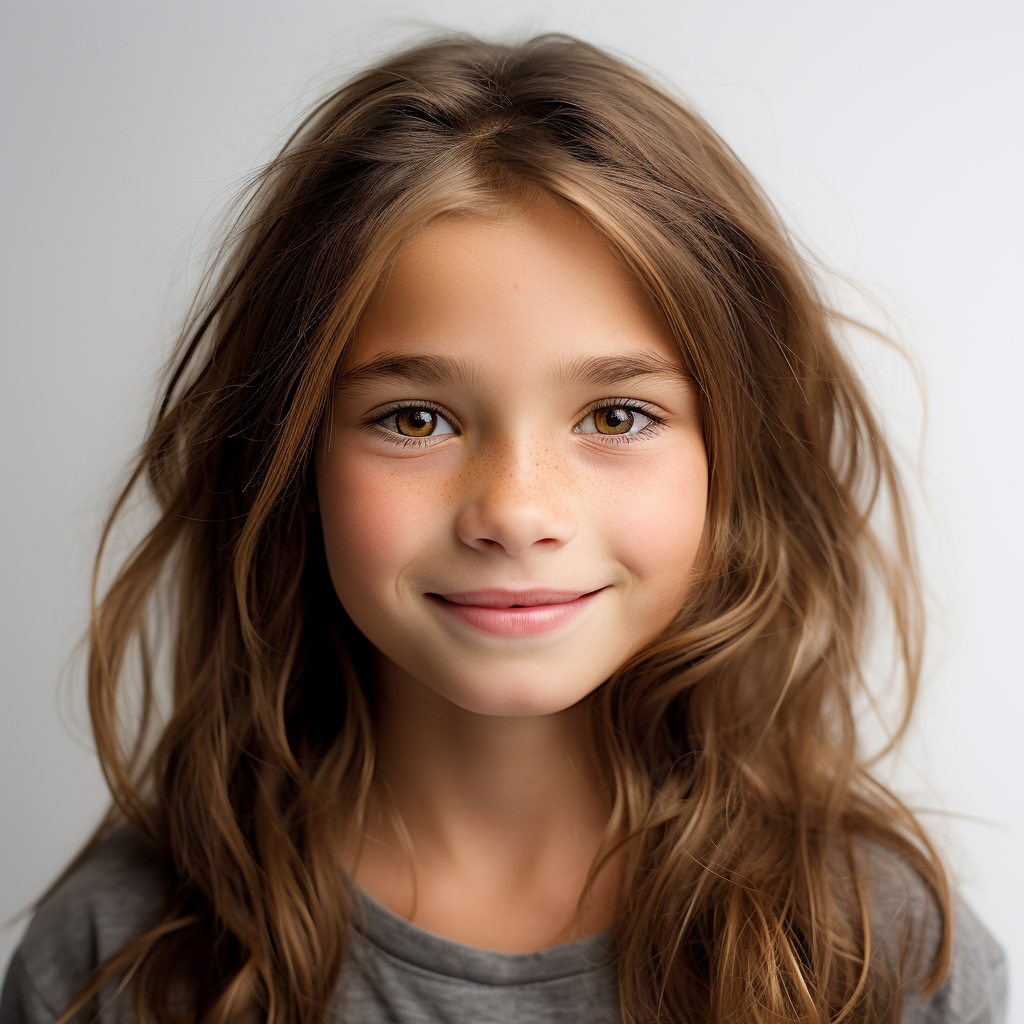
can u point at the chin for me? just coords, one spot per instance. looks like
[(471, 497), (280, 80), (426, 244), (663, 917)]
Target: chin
[(513, 699)]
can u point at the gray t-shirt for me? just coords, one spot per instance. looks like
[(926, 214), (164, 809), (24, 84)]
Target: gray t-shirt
[(397, 972)]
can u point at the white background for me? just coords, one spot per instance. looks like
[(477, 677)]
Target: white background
[(888, 133)]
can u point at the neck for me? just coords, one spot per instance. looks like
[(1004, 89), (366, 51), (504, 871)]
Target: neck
[(495, 809)]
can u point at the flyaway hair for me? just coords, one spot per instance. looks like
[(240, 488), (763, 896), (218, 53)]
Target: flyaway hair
[(743, 811)]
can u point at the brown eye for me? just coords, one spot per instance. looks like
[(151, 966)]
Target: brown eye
[(618, 422), (615, 419), (415, 422)]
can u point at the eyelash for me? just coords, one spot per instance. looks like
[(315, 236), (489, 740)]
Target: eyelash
[(425, 442), (624, 403), (403, 440)]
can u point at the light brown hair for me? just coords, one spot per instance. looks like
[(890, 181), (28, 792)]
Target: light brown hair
[(742, 806)]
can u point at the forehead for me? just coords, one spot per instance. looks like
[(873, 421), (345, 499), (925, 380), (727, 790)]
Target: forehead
[(534, 290)]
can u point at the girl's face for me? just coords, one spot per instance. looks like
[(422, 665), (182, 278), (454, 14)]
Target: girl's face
[(512, 481)]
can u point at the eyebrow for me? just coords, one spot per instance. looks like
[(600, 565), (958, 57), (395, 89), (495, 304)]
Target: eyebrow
[(606, 371), (412, 369), (593, 371)]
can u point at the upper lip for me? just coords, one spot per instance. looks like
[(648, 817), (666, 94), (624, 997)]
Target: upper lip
[(500, 598)]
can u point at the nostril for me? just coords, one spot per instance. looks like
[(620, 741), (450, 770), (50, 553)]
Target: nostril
[(513, 528)]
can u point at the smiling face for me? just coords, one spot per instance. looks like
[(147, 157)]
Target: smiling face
[(512, 481)]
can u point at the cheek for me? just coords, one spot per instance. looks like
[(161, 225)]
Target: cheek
[(375, 521), (656, 522)]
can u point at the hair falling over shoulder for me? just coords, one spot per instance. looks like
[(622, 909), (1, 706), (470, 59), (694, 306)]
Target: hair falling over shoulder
[(740, 798)]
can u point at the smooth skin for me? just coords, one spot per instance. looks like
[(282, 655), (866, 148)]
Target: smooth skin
[(512, 417)]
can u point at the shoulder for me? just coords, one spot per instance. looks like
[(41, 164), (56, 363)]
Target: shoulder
[(906, 929), (117, 892)]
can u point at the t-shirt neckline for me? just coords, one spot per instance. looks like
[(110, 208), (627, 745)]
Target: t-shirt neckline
[(414, 945)]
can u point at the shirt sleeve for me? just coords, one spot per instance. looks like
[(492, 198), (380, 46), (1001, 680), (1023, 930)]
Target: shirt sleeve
[(115, 894), (21, 1002), (974, 990)]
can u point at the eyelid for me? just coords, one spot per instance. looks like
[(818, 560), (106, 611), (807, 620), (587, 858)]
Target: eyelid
[(382, 412), (374, 422), (656, 421), (653, 411)]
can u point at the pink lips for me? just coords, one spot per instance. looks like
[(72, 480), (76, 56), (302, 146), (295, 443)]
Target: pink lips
[(514, 612)]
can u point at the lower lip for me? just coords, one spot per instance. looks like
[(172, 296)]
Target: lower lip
[(538, 618)]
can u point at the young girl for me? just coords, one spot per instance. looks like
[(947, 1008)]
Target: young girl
[(512, 574)]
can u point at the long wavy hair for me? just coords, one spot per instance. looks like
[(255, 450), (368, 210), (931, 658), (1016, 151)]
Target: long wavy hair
[(742, 803)]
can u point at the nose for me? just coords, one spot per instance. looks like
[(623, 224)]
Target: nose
[(517, 500)]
